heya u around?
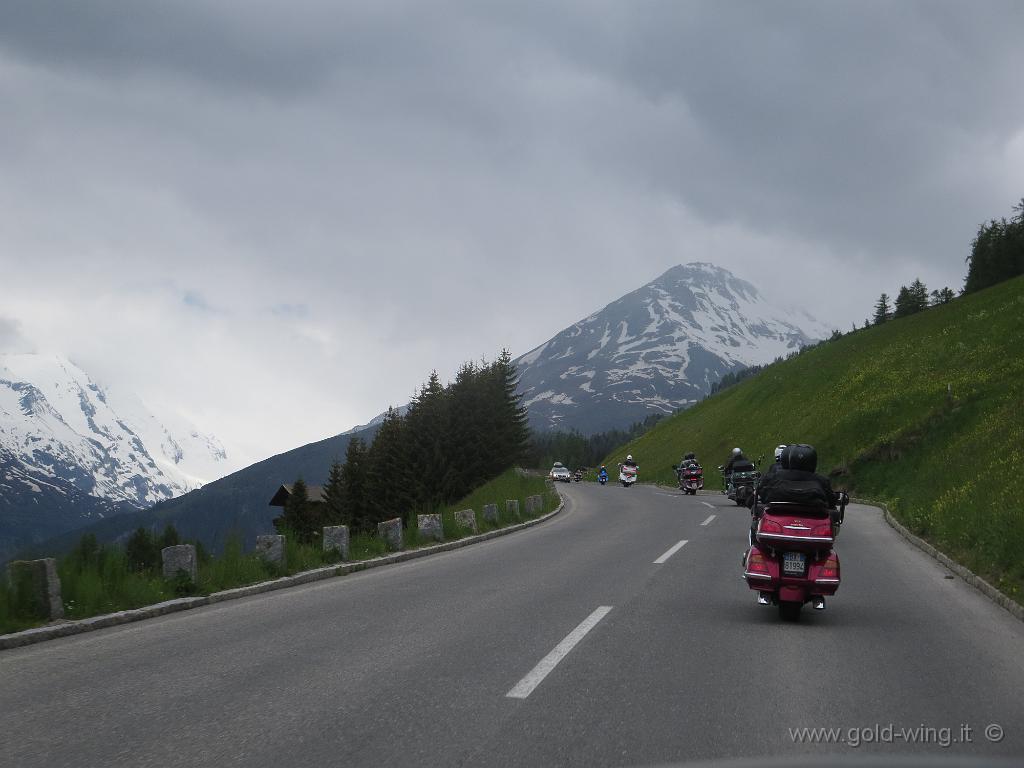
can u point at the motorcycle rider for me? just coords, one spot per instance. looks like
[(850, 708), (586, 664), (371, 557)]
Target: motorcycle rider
[(755, 511), (684, 463), (602, 474), (737, 457), (629, 461), (797, 480)]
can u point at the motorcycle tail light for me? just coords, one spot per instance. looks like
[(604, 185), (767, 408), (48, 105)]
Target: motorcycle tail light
[(822, 530), (770, 526), (756, 563), (830, 570)]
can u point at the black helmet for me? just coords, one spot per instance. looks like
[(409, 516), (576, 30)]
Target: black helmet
[(800, 456), (690, 456)]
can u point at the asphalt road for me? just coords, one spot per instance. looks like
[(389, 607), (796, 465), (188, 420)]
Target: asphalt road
[(413, 664)]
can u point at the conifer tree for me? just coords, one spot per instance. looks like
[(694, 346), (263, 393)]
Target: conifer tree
[(388, 474), (354, 485), (141, 551), (918, 295), (904, 303), (468, 435), (334, 496), (997, 252), (300, 517), (428, 425), (882, 310), (514, 435)]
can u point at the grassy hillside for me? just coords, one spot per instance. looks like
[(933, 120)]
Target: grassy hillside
[(877, 405)]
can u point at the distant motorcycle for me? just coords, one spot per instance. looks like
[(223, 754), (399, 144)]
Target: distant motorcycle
[(627, 475), (602, 478), (791, 560), (691, 479), (740, 483), (578, 476)]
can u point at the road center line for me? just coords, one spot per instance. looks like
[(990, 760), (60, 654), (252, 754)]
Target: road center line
[(536, 675), (708, 505), (710, 518), (675, 548)]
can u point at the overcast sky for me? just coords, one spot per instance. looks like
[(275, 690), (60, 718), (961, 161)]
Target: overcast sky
[(277, 218)]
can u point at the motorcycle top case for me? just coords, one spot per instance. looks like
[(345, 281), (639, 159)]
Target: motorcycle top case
[(795, 527)]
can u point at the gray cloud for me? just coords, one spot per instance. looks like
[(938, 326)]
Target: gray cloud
[(11, 339), (371, 191)]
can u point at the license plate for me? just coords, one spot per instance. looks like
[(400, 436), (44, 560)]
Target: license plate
[(793, 562)]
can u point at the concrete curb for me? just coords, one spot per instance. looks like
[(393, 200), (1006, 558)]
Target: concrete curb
[(66, 628), (993, 594)]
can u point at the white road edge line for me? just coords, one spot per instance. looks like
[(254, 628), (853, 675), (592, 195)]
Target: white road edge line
[(675, 548), (536, 675), (708, 505), (710, 518)]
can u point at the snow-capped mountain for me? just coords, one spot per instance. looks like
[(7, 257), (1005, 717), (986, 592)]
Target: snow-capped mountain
[(656, 349), (67, 442)]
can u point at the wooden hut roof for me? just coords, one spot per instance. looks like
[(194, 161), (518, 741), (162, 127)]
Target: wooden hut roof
[(313, 493)]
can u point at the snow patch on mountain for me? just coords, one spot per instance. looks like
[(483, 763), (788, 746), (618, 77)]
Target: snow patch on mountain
[(658, 348), (60, 427)]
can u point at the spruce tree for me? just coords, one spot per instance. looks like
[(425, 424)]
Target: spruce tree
[(354, 486), (919, 295), (300, 517), (141, 551), (388, 474), (514, 431), (905, 303), (882, 309), (997, 252), (334, 496), (429, 436), (468, 442)]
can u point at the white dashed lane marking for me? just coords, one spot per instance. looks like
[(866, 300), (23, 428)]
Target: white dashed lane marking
[(675, 548), (536, 675)]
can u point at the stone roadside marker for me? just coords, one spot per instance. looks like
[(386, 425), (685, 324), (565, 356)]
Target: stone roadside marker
[(180, 557), (391, 532), (512, 508), (38, 580), (466, 518), (429, 527), (271, 548), (336, 540)]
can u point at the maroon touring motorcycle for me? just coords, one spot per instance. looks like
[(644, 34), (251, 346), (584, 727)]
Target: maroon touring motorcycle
[(792, 561)]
